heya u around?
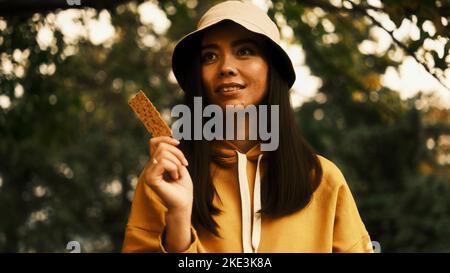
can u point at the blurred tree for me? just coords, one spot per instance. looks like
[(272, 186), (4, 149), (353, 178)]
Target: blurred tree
[(26, 8), (71, 149), (378, 140)]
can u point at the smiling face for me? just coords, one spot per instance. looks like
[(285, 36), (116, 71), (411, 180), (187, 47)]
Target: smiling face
[(234, 66)]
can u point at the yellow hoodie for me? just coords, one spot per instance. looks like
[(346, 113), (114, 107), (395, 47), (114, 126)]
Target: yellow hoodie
[(330, 223)]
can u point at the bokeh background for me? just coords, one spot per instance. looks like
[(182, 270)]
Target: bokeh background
[(372, 94)]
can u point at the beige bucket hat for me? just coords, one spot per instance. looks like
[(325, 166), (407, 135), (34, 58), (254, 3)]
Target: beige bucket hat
[(247, 15)]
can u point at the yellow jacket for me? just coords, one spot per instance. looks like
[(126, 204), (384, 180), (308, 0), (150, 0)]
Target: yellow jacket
[(330, 223)]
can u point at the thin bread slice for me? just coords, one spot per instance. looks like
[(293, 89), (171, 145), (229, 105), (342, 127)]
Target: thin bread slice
[(149, 116)]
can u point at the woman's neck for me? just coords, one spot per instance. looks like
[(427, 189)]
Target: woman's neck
[(245, 144), (242, 134)]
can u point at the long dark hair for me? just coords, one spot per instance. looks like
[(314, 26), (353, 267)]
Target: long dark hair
[(295, 171)]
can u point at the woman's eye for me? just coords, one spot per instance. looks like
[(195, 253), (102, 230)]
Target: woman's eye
[(208, 57), (246, 51)]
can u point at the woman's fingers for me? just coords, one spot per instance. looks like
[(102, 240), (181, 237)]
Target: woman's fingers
[(164, 148), (167, 175), (157, 170), (165, 154), (183, 172), (170, 167), (155, 141), (166, 158)]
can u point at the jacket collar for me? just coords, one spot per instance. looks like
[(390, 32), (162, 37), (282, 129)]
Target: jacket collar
[(224, 152)]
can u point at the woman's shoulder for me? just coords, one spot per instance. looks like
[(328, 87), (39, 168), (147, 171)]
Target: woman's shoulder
[(332, 177)]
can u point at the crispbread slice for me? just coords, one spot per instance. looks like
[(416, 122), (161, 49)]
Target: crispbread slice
[(149, 116)]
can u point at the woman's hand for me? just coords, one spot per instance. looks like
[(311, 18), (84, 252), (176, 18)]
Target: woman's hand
[(167, 175)]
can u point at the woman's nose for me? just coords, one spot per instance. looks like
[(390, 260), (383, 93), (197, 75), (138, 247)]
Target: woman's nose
[(227, 72), (228, 68)]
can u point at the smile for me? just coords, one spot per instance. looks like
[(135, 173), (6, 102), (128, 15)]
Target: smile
[(229, 89)]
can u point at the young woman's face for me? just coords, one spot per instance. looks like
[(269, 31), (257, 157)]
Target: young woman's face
[(234, 68)]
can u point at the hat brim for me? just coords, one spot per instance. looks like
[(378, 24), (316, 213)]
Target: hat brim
[(182, 54)]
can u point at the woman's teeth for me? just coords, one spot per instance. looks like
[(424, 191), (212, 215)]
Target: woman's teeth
[(229, 89)]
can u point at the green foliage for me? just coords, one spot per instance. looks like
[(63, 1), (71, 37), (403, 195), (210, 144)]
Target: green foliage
[(376, 139), (71, 149)]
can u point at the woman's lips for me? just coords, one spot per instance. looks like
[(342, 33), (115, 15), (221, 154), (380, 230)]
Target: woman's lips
[(229, 90)]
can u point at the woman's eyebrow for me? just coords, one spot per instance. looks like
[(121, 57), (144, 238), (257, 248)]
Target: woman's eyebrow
[(210, 46), (233, 44), (244, 41)]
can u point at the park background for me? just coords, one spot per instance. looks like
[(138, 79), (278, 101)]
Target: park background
[(372, 95)]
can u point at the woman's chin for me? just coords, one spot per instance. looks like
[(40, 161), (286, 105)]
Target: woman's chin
[(232, 103)]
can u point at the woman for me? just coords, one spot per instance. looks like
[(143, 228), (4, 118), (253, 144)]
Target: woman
[(229, 195)]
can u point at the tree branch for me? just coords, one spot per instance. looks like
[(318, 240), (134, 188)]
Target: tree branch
[(404, 47), (362, 10), (23, 9)]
